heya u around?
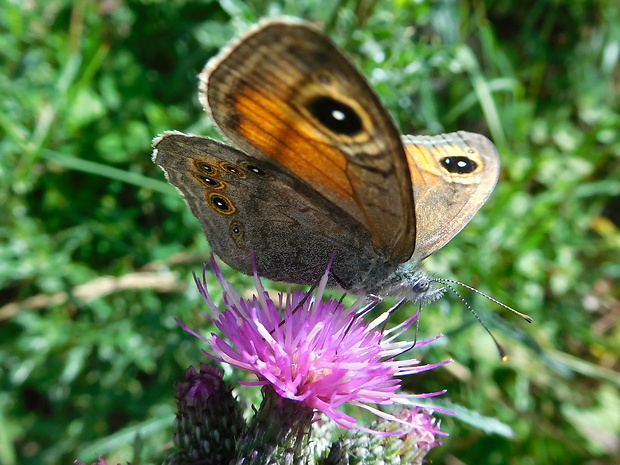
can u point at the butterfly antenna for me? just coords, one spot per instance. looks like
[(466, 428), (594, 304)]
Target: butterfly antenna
[(526, 317), (502, 353)]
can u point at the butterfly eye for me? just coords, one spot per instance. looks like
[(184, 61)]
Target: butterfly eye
[(421, 286), (459, 165), (221, 204), (335, 116)]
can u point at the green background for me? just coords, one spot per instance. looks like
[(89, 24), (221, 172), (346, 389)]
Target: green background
[(97, 251)]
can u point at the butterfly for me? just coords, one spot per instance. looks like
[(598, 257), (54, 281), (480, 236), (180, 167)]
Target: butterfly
[(320, 170)]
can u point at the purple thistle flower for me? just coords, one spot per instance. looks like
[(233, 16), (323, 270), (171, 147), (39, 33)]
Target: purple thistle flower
[(421, 436), (209, 419), (314, 351), (424, 427)]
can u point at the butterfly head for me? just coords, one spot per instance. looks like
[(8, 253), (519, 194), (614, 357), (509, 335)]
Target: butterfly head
[(412, 282), (422, 288)]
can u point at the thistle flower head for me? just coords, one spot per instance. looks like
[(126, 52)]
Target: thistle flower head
[(208, 420), (418, 437), (315, 351), (422, 434)]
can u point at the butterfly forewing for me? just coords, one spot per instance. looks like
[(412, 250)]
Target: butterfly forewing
[(284, 92)]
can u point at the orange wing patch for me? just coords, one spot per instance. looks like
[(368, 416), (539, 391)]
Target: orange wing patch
[(298, 148)]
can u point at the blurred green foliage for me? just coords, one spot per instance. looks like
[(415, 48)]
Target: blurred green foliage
[(84, 86)]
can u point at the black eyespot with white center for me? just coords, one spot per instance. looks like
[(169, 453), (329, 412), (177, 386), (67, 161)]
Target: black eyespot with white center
[(232, 169), (459, 165), (204, 167), (236, 230), (221, 204), (335, 116), (255, 170), (210, 182)]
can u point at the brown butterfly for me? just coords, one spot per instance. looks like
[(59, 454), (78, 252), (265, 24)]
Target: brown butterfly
[(321, 169)]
